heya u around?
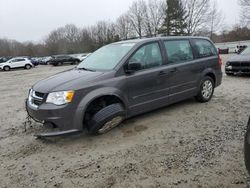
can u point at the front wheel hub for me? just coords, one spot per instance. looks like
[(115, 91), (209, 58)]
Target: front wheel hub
[(207, 89)]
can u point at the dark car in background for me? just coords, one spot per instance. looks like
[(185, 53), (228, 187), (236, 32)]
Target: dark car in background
[(239, 64), (125, 79), (223, 50), (63, 59)]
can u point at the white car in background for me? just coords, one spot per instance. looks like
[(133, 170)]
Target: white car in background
[(18, 62), (83, 56)]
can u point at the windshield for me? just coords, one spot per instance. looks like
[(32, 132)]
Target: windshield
[(106, 58), (245, 52)]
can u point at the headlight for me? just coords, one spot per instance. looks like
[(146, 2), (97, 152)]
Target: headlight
[(60, 98)]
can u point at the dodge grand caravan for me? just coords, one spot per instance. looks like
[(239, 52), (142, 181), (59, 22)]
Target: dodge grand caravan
[(125, 79)]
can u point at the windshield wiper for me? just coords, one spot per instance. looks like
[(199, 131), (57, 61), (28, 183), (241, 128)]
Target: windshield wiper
[(83, 68)]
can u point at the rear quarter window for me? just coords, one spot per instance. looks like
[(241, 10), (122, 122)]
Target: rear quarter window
[(204, 48)]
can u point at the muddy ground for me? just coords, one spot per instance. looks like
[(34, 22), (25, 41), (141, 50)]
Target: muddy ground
[(184, 145)]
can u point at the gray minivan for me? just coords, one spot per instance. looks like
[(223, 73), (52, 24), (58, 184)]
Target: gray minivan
[(125, 79)]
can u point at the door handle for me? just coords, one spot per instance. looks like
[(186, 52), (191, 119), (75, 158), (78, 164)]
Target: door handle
[(173, 70), (167, 72), (162, 73)]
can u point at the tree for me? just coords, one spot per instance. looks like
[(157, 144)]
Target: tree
[(137, 17), (174, 23), (215, 19), (245, 12), (124, 26), (156, 13), (197, 13)]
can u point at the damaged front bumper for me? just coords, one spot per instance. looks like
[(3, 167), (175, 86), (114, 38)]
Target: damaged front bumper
[(61, 117)]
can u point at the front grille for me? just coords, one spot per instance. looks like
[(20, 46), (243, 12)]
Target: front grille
[(37, 102), (245, 64), (38, 94), (36, 98), (235, 64)]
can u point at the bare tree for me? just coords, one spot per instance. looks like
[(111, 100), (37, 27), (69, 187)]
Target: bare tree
[(124, 26), (215, 19), (197, 14), (245, 11), (138, 16), (156, 13)]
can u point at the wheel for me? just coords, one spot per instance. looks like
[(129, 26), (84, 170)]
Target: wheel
[(106, 119), (247, 147), (206, 90), (6, 68), (27, 66)]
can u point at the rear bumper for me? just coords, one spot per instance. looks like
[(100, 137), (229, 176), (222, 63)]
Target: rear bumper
[(218, 79)]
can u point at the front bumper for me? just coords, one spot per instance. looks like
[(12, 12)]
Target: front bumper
[(64, 117), (238, 69)]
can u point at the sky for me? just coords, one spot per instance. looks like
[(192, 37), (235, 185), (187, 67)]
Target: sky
[(32, 20)]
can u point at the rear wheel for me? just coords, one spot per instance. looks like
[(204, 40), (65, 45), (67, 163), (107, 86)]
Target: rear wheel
[(106, 119), (27, 66), (206, 90), (6, 68)]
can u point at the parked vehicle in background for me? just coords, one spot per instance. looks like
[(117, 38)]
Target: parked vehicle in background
[(18, 62), (83, 56), (223, 50), (239, 49), (63, 59), (34, 61), (45, 60), (4, 59), (247, 147), (239, 64), (125, 79)]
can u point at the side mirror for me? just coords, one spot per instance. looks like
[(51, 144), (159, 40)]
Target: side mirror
[(132, 67)]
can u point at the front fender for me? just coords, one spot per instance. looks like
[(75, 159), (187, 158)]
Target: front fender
[(91, 96)]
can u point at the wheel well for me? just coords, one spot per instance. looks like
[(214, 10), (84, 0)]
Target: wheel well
[(99, 103), (211, 75)]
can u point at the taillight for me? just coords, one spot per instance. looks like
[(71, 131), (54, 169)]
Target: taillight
[(220, 61)]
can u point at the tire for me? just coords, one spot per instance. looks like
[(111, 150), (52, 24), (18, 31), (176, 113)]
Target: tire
[(206, 90), (27, 66), (106, 119), (6, 68), (247, 147)]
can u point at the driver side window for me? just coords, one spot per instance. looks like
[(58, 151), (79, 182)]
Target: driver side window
[(148, 56)]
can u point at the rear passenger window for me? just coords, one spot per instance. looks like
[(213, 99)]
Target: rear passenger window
[(204, 48), (178, 51)]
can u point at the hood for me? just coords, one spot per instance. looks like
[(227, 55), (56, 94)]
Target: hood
[(4, 63), (240, 58), (68, 80)]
